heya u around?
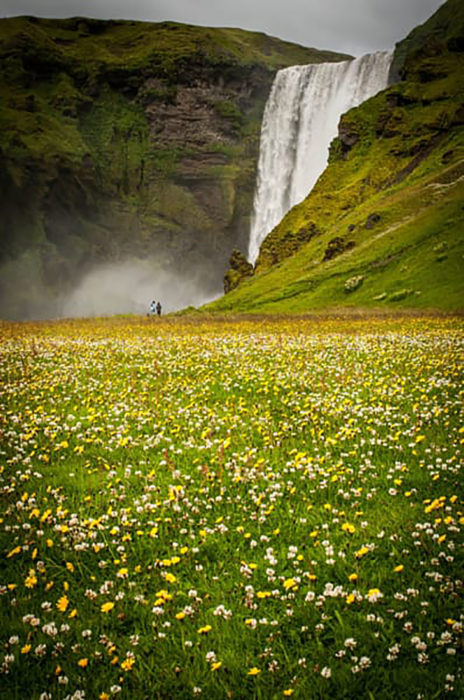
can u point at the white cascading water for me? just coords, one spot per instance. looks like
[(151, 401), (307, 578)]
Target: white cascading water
[(300, 120)]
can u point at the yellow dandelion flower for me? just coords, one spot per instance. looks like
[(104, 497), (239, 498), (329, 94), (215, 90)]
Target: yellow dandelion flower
[(180, 616), (170, 578), (104, 696), (288, 692), (164, 594), (30, 580), (263, 594), (205, 629), (128, 663), (361, 552), (348, 527), (290, 583), (83, 663), (216, 665), (353, 577), (73, 613), (26, 649), (254, 671), (398, 568), (62, 603), (350, 598), (106, 607), (70, 566)]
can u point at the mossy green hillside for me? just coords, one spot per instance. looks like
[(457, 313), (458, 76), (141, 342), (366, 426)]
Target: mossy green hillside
[(387, 211), (128, 138)]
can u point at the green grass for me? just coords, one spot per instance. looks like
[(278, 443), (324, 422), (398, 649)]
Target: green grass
[(417, 245), (237, 508)]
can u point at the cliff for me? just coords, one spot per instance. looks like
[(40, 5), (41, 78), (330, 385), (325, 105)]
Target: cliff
[(126, 140), (383, 225)]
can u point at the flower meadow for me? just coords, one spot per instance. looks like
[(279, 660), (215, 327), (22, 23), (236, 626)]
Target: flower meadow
[(231, 508)]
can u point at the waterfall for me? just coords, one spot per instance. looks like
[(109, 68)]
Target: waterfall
[(300, 120)]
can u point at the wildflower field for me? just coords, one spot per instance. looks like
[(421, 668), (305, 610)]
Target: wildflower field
[(231, 509)]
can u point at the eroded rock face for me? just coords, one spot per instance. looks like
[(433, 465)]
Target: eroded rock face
[(239, 269), (337, 246), (347, 135), (372, 219)]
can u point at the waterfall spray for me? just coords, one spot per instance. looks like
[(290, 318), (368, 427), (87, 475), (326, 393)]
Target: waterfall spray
[(300, 120)]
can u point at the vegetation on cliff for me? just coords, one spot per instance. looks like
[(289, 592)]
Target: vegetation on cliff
[(386, 216), (126, 139)]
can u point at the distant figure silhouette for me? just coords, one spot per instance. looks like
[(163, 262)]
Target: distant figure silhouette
[(158, 309), (153, 307)]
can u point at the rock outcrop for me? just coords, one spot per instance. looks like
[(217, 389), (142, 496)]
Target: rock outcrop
[(239, 270)]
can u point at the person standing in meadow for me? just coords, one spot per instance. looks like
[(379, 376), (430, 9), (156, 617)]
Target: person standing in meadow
[(158, 308)]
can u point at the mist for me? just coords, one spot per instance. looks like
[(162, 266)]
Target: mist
[(129, 287), (123, 287)]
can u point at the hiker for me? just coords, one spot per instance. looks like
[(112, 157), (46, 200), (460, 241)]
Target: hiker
[(153, 307), (158, 308)]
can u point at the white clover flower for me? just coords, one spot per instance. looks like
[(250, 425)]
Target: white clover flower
[(350, 643), (364, 662)]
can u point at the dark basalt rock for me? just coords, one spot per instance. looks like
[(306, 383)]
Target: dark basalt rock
[(337, 246), (348, 136), (371, 220), (240, 268)]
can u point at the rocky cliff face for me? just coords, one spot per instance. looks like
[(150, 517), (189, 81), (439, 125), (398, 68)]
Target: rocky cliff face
[(126, 140)]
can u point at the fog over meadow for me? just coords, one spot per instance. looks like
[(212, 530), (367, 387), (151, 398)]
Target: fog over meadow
[(124, 287), (129, 287)]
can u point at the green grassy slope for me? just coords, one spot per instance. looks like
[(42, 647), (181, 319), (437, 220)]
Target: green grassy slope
[(387, 213)]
